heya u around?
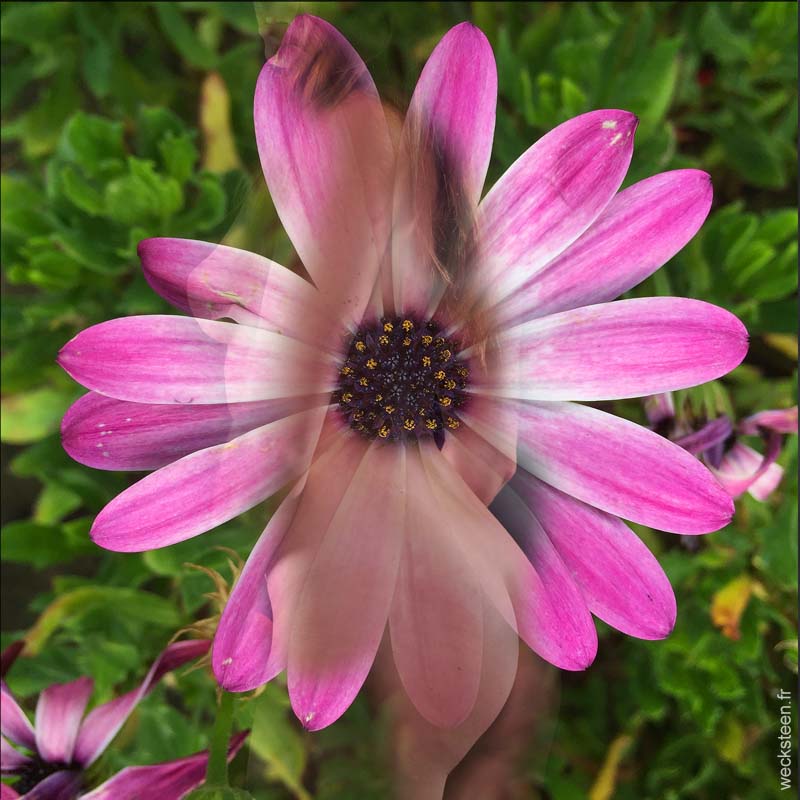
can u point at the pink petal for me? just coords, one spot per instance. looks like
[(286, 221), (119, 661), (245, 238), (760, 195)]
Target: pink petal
[(552, 194), (640, 229), (164, 359), (213, 281), (548, 611), (713, 434), (58, 717), (7, 793), (14, 724), (11, 760), (783, 420), (327, 158), (624, 349), (743, 469), (319, 493), (103, 723), (64, 785), (171, 780), (436, 620), (620, 467), (208, 487), (622, 582), (244, 636), (485, 460), (105, 433), (352, 578), (444, 154)]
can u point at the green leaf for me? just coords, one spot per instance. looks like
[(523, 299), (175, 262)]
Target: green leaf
[(142, 196), (91, 142), (185, 40), (42, 545), (30, 416), (179, 154)]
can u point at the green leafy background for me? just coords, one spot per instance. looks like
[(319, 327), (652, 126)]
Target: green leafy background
[(127, 120)]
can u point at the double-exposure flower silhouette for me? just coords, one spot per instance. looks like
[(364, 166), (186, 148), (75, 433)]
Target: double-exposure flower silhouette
[(435, 354), (50, 759)]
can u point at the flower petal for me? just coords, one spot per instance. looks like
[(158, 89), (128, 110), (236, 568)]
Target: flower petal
[(552, 194), (59, 711), (63, 785), (436, 619), (713, 434), (445, 147), (111, 434), (7, 793), (208, 487), (640, 229), (782, 420), (14, 724), (103, 722), (327, 158), (244, 636), (11, 760), (213, 281), (624, 349), (743, 469), (168, 781), (167, 359), (547, 609), (621, 580), (620, 467), (352, 577)]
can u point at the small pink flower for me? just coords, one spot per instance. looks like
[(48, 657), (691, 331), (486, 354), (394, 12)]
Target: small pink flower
[(50, 758), (433, 357), (736, 465)]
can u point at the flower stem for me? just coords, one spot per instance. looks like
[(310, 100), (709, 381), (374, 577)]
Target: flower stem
[(217, 771)]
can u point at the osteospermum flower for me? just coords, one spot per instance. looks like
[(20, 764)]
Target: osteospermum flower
[(49, 759), (434, 353), (718, 442)]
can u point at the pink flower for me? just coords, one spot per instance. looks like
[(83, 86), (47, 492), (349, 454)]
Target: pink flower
[(55, 753), (434, 357), (736, 465)]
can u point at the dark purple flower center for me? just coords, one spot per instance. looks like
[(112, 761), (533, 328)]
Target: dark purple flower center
[(402, 380), (36, 770)]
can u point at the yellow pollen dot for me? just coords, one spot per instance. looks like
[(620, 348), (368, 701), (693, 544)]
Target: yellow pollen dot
[(440, 376), (408, 325), (388, 327), (372, 363), (384, 432), (345, 370), (463, 372), (347, 397), (452, 423), (406, 342), (358, 415), (445, 401), (445, 355), (426, 361), (365, 382), (384, 340), (430, 424), (451, 384), (389, 409), (409, 424), (439, 341), (378, 398), (426, 340), (361, 347)]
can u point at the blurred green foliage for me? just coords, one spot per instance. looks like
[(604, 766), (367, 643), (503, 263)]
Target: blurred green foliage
[(127, 120)]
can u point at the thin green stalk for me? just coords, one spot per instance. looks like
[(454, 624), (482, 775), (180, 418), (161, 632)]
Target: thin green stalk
[(217, 772)]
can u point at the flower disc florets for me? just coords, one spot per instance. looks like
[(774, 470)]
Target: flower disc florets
[(402, 380)]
